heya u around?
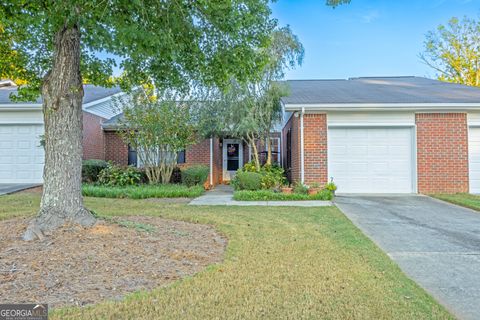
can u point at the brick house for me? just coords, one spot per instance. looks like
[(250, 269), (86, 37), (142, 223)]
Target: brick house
[(222, 155), (383, 135), (370, 135)]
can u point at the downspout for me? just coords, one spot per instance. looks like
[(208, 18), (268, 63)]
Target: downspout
[(302, 151), (211, 161)]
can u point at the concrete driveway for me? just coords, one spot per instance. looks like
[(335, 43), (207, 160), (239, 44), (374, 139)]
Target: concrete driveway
[(435, 243), (6, 188)]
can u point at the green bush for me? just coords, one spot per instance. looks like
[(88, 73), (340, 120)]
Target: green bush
[(91, 169), (269, 195), (300, 189), (195, 175), (114, 175), (273, 176), (247, 181), (249, 167)]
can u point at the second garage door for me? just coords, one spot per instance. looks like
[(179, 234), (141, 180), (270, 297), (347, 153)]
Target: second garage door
[(21, 155), (371, 160)]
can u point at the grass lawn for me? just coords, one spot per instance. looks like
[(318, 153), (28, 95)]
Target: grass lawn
[(463, 199), (143, 191), (268, 195), (281, 263)]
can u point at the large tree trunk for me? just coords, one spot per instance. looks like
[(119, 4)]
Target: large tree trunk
[(62, 94)]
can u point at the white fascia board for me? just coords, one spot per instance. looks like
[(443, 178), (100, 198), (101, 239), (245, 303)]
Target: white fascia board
[(383, 107), (20, 107), (95, 102)]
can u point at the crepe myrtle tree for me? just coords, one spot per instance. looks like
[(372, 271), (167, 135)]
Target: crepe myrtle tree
[(61, 44), (251, 110), (158, 128)]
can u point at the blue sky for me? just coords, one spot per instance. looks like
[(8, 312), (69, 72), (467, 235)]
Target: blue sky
[(366, 37)]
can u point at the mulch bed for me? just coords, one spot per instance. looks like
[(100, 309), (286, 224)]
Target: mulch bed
[(78, 266)]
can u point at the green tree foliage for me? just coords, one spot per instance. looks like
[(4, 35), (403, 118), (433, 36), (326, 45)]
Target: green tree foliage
[(169, 43), (158, 128), (453, 50), (251, 110)]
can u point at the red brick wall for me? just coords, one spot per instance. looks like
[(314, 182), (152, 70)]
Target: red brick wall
[(93, 138), (315, 148), (442, 152), (115, 149)]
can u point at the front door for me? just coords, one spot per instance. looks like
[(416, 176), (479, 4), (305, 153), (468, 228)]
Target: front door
[(232, 157)]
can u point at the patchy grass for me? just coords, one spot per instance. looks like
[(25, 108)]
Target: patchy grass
[(268, 195), (281, 263), (143, 191), (463, 199)]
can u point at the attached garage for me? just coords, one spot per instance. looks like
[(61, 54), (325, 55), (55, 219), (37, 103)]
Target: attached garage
[(474, 158), (21, 155), (371, 160)]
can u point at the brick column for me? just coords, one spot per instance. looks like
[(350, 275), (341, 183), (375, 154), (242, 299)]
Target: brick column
[(315, 148), (115, 149), (442, 152)]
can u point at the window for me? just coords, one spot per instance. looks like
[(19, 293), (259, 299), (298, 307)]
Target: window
[(181, 157), (288, 165)]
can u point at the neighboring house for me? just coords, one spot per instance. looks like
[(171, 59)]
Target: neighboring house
[(21, 128), (384, 135)]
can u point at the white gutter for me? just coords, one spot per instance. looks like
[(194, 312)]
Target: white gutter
[(211, 161), (20, 107), (382, 106), (302, 152)]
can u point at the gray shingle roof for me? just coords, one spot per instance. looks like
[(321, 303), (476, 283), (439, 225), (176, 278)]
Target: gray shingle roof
[(92, 93), (379, 90)]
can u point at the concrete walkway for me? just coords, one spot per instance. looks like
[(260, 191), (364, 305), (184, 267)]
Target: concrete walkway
[(6, 188), (435, 243), (222, 195)]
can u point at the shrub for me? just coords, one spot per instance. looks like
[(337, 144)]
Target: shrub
[(247, 180), (114, 175), (332, 187), (91, 169), (300, 189), (250, 167), (176, 175), (143, 191), (273, 176), (195, 175), (269, 195)]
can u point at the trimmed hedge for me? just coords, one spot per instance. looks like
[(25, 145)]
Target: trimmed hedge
[(195, 175), (92, 168), (143, 191), (268, 195)]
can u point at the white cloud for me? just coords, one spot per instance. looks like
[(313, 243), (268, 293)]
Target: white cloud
[(370, 16)]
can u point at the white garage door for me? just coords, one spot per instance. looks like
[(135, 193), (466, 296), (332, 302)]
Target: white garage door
[(474, 159), (21, 156), (371, 160)]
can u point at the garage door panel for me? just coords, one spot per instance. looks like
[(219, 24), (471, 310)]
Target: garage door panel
[(21, 156), (373, 160), (474, 159)]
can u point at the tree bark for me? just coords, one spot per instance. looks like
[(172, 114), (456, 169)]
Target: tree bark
[(62, 94), (269, 151)]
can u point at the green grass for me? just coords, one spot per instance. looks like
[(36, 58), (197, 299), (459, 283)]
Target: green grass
[(268, 195), (280, 263), (143, 191), (463, 199)]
